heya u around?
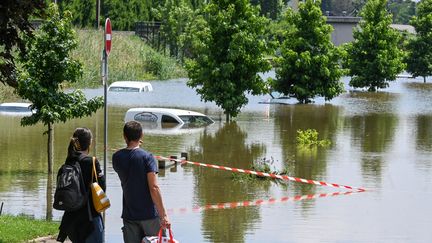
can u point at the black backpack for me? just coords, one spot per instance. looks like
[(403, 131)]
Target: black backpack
[(70, 193)]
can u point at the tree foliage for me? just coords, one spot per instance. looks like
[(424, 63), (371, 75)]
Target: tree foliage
[(14, 25), (309, 62), (124, 13), (231, 53), (269, 8), (176, 16), (419, 56), (83, 11), (402, 10), (45, 66), (374, 57)]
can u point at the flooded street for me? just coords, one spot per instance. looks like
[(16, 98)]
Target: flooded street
[(380, 141)]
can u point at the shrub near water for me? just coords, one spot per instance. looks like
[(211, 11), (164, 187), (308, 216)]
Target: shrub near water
[(309, 138), (21, 229), (130, 59)]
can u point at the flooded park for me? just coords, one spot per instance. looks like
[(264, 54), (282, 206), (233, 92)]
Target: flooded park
[(380, 141)]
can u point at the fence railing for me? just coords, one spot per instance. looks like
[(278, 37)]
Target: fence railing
[(150, 32)]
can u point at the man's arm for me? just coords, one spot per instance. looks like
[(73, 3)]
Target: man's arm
[(156, 195)]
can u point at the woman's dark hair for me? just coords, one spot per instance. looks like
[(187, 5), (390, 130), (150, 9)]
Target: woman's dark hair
[(80, 141), (132, 130)]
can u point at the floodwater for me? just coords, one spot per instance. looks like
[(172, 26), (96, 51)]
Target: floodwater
[(379, 141)]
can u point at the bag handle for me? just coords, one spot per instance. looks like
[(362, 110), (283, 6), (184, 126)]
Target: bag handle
[(171, 240), (94, 169)]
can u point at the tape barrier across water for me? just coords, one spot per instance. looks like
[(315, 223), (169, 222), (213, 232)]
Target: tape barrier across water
[(263, 174), (229, 205)]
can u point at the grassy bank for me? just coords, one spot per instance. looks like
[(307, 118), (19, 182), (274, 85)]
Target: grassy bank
[(21, 229), (130, 59), (7, 95)]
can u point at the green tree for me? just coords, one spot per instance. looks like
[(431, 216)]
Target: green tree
[(83, 11), (231, 52), (309, 62), (402, 10), (419, 54), (14, 25), (45, 66), (374, 57), (269, 8), (176, 16), (125, 13)]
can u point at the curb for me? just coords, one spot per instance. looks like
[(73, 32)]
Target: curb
[(47, 239)]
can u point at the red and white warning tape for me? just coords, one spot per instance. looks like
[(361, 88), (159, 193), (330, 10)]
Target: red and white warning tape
[(259, 202), (263, 174)]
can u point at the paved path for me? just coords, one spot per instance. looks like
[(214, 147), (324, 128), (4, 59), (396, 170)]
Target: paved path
[(47, 239)]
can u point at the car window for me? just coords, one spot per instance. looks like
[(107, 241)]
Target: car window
[(124, 89), (14, 109), (145, 117), (196, 120), (168, 119)]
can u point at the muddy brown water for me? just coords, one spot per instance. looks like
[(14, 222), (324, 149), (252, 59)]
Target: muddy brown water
[(381, 141)]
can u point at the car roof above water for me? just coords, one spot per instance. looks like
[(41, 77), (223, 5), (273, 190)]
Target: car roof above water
[(130, 86), (15, 108), (177, 112)]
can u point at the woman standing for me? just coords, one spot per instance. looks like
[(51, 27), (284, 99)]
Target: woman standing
[(85, 224)]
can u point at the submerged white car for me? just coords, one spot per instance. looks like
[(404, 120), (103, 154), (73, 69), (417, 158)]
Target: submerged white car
[(167, 118), (130, 86), (15, 109)]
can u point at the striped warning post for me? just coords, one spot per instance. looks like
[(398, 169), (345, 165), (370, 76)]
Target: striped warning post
[(263, 174), (259, 202)]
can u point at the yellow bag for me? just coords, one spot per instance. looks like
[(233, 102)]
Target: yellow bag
[(100, 200)]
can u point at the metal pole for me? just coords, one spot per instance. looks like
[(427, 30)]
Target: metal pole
[(97, 14), (105, 78)]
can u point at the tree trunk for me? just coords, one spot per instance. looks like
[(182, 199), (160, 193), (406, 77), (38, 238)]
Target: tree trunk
[(49, 198), (227, 117), (50, 147), (424, 79)]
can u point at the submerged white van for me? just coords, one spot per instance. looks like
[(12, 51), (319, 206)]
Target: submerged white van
[(166, 117), (130, 86)]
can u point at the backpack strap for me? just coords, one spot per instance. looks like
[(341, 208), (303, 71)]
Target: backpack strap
[(94, 170), (81, 157)]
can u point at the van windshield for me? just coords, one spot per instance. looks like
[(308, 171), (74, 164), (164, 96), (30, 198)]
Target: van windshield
[(196, 120), (14, 109), (124, 89)]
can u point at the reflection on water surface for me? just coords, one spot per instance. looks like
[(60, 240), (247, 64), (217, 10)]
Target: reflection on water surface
[(381, 141)]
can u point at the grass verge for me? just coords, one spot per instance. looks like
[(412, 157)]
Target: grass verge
[(130, 59), (14, 229), (7, 94)]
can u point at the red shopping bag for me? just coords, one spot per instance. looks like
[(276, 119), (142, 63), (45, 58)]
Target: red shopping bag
[(160, 239)]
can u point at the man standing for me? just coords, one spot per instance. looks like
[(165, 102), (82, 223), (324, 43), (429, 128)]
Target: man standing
[(143, 210)]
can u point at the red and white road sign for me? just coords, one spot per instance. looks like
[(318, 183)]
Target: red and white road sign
[(107, 36)]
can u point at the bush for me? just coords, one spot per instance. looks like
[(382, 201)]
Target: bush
[(161, 66), (309, 138)]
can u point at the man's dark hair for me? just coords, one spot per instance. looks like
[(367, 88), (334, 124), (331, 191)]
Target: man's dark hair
[(132, 130)]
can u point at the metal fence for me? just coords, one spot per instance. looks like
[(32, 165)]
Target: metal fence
[(150, 32)]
